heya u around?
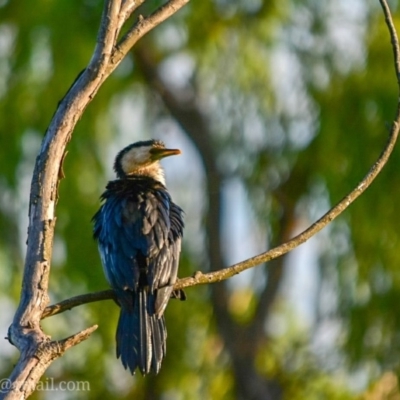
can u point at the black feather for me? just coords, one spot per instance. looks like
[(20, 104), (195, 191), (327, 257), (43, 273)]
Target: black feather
[(139, 230)]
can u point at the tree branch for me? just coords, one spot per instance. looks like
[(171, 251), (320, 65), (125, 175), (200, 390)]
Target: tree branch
[(141, 27), (220, 275), (39, 359), (393, 39), (77, 301), (217, 276), (37, 350), (25, 332), (75, 339)]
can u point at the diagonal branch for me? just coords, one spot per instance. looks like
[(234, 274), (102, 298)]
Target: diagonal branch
[(220, 275), (393, 38), (75, 339), (25, 332), (217, 276), (200, 278), (108, 32), (143, 26)]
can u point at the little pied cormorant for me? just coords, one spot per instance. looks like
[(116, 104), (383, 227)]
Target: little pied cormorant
[(139, 231)]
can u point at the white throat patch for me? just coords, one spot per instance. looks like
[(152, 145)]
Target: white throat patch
[(137, 161), (135, 158)]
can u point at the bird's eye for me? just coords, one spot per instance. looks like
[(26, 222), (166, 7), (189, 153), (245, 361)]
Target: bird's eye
[(155, 149)]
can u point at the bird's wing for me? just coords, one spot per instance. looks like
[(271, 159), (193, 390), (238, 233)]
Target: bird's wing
[(139, 242), (119, 247), (168, 260)]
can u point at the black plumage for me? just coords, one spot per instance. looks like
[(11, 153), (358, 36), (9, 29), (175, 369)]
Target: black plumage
[(139, 230)]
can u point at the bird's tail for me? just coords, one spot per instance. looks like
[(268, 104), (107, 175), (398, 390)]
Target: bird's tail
[(141, 336)]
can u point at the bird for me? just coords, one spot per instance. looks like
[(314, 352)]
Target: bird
[(139, 231)]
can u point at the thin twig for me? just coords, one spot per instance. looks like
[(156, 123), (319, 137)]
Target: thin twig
[(127, 8), (76, 338), (393, 37), (143, 26)]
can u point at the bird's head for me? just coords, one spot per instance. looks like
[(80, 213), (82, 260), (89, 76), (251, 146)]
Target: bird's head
[(142, 158)]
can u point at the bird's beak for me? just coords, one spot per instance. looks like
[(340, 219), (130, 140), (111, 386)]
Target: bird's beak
[(157, 154)]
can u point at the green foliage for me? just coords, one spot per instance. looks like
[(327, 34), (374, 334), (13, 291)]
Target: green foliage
[(297, 137)]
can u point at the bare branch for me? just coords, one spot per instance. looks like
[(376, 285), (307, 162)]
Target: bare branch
[(143, 26), (45, 182), (108, 32), (217, 276), (32, 368), (127, 8), (393, 37), (37, 351), (77, 301), (75, 339), (25, 332)]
